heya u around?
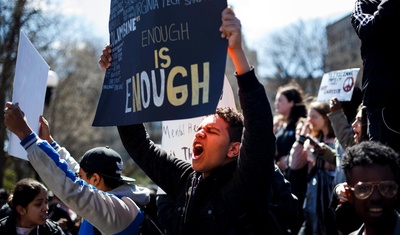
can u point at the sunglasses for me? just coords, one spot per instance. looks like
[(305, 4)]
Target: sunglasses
[(362, 190)]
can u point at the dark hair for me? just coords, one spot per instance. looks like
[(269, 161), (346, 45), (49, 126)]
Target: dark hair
[(370, 152), (295, 94), (110, 182), (235, 120), (24, 192), (107, 163)]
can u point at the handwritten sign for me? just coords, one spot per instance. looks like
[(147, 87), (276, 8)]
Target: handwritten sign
[(339, 84), (168, 61)]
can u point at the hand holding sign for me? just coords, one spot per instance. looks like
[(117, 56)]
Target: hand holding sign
[(334, 104)]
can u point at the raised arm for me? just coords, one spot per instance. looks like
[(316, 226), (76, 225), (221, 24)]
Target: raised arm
[(256, 158), (112, 213), (45, 134), (375, 19), (229, 30)]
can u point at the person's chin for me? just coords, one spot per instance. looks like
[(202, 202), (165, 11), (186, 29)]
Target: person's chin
[(195, 166), (42, 222)]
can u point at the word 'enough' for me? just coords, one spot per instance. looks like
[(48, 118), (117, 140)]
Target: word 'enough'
[(144, 88)]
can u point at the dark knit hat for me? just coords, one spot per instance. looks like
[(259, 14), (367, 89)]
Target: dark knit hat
[(105, 162)]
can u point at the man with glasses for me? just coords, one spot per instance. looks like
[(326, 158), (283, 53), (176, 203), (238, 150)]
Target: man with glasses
[(373, 173)]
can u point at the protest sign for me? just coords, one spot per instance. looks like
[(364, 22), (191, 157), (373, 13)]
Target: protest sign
[(30, 81), (339, 84), (168, 61)]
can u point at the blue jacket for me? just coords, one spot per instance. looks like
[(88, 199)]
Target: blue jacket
[(113, 212)]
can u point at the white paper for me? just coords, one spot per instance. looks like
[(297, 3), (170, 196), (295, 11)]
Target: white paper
[(30, 81), (339, 84)]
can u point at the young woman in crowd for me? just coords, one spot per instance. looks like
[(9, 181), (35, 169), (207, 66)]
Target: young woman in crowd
[(312, 158), (290, 106), (29, 215)]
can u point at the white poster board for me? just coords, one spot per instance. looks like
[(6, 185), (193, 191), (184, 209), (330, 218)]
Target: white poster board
[(31, 73), (339, 84)]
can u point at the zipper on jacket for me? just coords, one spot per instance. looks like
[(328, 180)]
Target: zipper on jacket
[(190, 193)]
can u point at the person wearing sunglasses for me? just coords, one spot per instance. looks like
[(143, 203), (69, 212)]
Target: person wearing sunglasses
[(373, 173)]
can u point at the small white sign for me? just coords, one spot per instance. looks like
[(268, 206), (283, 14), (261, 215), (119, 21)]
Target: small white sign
[(339, 84)]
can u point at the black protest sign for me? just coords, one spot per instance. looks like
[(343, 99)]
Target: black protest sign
[(168, 61)]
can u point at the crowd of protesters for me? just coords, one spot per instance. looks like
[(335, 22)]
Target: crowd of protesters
[(310, 171)]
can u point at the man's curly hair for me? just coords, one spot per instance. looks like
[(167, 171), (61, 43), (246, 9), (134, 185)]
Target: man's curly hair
[(235, 120), (370, 152)]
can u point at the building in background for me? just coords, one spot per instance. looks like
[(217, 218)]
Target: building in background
[(343, 47)]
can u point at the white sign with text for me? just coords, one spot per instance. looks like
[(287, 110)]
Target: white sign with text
[(339, 84)]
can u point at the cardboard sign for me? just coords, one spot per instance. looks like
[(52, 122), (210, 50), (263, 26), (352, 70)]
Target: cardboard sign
[(168, 61)]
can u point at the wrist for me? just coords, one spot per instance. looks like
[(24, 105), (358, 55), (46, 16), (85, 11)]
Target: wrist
[(301, 139), (23, 133), (50, 139)]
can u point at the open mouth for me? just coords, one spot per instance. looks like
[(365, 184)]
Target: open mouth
[(355, 136), (375, 211), (197, 149)]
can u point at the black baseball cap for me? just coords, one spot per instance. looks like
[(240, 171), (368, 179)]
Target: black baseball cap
[(105, 162)]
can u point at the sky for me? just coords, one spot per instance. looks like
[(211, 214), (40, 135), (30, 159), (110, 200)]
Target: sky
[(259, 18)]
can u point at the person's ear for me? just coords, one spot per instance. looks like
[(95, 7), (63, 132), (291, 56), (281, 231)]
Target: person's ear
[(21, 210), (95, 179), (234, 149), (291, 103)]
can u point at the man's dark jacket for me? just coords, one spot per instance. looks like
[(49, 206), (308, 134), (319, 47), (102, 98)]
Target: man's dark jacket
[(376, 23), (235, 198)]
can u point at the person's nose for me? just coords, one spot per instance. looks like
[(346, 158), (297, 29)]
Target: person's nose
[(356, 122), (200, 134), (376, 194), (46, 207), (353, 124)]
